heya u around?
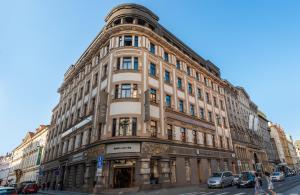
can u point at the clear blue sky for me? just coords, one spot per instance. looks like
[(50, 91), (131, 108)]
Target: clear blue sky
[(256, 44)]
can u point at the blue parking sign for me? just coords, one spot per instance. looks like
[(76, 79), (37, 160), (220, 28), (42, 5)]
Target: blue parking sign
[(100, 162)]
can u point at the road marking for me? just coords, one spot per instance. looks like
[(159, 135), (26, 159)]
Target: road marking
[(192, 193), (223, 193), (240, 193), (208, 193)]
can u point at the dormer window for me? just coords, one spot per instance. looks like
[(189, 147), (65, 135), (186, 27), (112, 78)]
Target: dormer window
[(128, 20)]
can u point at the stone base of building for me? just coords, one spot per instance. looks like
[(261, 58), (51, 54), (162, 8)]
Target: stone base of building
[(135, 166)]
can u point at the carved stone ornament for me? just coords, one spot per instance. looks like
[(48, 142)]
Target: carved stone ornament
[(155, 149)]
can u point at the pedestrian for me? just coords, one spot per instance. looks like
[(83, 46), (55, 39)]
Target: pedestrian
[(270, 183), (258, 185)]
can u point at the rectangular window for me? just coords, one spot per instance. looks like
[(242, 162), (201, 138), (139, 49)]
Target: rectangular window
[(179, 83), (224, 122), (188, 70), (215, 102), (134, 126), (93, 104), (124, 128), (192, 109), (104, 74), (205, 139), (170, 132), (168, 100), (118, 63), (190, 88), (183, 134), (136, 63), (222, 104), (126, 65), (221, 141), (202, 113), (167, 76), (152, 69), (127, 40), (87, 89), (117, 92), (207, 98), (153, 95), (199, 93), (153, 128), (166, 56), (125, 90), (95, 80), (136, 41), (152, 48), (197, 76), (210, 118), (228, 142), (218, 120), (178, 66), (181, 107), (194, 137), (120, 41)]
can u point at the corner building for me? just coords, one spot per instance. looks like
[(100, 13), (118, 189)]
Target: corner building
[(146, 102)]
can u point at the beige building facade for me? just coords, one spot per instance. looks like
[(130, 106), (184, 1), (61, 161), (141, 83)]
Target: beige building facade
[(26, 158), (144, 102), (247, 133)]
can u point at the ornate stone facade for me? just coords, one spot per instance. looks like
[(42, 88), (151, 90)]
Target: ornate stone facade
[(145, 102)]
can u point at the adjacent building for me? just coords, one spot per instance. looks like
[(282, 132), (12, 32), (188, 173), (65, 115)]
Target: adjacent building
[(4, 169), (268, 144), (147, 104), (246, 135), (26, 158), (297, 146), (292, 151)]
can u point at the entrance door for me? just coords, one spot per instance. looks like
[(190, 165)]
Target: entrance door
[(123, 177)]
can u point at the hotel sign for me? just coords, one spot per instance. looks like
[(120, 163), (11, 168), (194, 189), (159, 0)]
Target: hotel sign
[(123, 147)]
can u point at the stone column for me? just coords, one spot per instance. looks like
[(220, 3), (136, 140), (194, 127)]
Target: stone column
[(65, 178), (79, 175), (180, 171), (145, 171), (87, 176), (71, 177), (203, 170), (165, 171), (194, 171)]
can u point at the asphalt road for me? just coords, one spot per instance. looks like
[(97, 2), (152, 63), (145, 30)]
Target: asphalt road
[(291, 186)]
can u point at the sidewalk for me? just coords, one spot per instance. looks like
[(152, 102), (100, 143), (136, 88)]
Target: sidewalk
[(165, 191)]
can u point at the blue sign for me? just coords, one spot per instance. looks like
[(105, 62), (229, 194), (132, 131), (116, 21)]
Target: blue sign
[(100, 161)]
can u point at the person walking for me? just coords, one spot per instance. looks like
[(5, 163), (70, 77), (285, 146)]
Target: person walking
[(270, 183), (258, 185)]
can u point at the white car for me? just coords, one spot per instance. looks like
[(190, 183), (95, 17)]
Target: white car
[(8, 190), (277, 176)]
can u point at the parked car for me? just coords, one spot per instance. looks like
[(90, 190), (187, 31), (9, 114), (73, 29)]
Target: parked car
[(30, 188), (277, 176), (220, 179), (247, 179), (8, 191), (21, 185), (236, 178)]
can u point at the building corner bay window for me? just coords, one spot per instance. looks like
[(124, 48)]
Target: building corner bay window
[(128, 63), (124, 126), (127, 40), (126, 91)]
